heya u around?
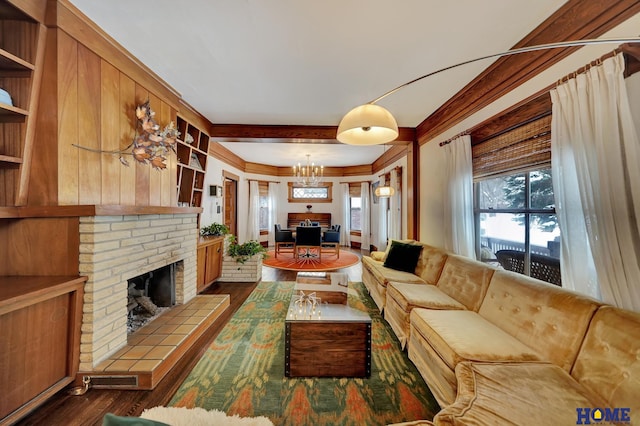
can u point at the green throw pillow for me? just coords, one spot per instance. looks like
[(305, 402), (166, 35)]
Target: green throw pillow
[(403, 257)]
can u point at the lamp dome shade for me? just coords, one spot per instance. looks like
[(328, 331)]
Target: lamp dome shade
[(368, 124), (384, 191)]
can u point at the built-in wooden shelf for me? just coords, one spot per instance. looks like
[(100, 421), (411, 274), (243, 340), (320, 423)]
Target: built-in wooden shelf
[(9, 161), (90, 210), (190, 177), (9, 113), (19, 291), (10, 61)]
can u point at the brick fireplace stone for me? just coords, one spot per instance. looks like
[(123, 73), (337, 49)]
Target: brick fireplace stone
[(114, 249)]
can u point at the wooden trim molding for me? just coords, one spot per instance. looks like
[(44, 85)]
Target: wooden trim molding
[(90, 210), (575, 20), (290, 134)]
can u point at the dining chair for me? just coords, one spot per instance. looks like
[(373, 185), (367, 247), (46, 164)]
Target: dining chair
[(331, 239), (285, 243), (309, 239)]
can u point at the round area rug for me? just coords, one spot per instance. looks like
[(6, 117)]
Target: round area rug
[(329, 262)]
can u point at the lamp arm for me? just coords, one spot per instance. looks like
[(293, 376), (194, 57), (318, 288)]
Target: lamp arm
[(514, 52)]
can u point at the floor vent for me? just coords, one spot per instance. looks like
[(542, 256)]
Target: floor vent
[(114, 381)]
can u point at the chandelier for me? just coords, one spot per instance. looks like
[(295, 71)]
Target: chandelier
[(309, 175)]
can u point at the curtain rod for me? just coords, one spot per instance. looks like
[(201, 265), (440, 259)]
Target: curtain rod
[(261, 180), (396, 168), (358, 181), (451, 139), (587, 67)]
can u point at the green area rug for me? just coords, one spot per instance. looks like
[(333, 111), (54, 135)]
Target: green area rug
[(242, 372)]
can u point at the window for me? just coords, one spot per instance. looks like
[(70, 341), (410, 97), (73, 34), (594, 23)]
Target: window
[(308, 194), (516, 225), (355, 206), (264, 205), (516, 214)]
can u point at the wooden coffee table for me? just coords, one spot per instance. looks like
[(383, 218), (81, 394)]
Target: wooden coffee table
[(336, 342)]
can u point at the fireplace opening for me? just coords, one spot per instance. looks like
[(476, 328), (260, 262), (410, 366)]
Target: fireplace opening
[(149, 295)]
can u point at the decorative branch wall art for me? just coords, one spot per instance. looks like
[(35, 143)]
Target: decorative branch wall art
[(151, 145)]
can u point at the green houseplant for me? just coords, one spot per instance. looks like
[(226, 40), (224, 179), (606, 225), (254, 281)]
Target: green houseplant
[(243, 252), (215, 229)]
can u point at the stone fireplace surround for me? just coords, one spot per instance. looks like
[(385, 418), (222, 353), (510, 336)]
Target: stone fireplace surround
[(116, 248)]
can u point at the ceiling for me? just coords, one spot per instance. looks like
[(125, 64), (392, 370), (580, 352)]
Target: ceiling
[(304, 62)]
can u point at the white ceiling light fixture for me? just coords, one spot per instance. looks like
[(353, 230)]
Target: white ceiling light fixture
[(309, 174), (371, 124)]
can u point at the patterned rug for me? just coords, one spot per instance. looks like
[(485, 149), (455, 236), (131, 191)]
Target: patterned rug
[(330, 262), (242, 372)]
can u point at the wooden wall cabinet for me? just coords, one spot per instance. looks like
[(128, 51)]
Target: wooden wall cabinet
[(192, 149), (22, 45), (210, 253), (40, 320)]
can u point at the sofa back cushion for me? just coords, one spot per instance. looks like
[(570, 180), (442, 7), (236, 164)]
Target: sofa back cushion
[(465, 280), (608, 363), (430, 263), (545, 317)]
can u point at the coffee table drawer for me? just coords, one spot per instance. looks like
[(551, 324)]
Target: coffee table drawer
[(333, 349)]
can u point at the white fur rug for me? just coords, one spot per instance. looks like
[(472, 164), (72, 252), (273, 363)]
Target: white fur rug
[(180, 416)]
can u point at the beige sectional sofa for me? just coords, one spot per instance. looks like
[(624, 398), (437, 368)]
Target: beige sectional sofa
[(496, 347)]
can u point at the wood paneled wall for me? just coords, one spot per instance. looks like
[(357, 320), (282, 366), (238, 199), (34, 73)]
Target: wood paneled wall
[(89, 101), (39, 246)]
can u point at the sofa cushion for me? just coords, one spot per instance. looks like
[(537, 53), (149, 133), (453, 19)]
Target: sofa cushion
[(609, 361), (515, 394), (378, 255), (464, 335), (388, 248), (383, 275), (409, 296), (465, 280), (430, 263), (543, 316), (403, 257)]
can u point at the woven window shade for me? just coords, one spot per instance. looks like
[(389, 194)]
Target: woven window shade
[(523, 148), (263, 188), (355, 189)]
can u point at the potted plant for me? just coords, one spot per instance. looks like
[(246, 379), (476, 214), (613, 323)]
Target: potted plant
[(215, 229), (243, 252), (242, 262)]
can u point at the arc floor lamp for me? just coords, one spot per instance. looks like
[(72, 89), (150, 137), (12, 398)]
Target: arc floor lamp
[(371, 124)]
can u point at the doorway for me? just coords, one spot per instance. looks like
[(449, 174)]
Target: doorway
[(231, 202)]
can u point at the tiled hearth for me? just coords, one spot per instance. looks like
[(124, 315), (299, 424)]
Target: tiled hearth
[(114, 249), (155, 348)]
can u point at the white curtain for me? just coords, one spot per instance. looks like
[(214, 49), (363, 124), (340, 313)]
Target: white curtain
[(383, 204), (365, 216), (253, 225), (274, 191), (596, 153), (395, 207), (458, 198), (345, 228)]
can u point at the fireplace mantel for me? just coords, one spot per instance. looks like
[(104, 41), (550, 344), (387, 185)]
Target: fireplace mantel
[(91, 210)]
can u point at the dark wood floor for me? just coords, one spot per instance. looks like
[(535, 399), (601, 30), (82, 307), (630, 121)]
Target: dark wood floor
[(90, 408)]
